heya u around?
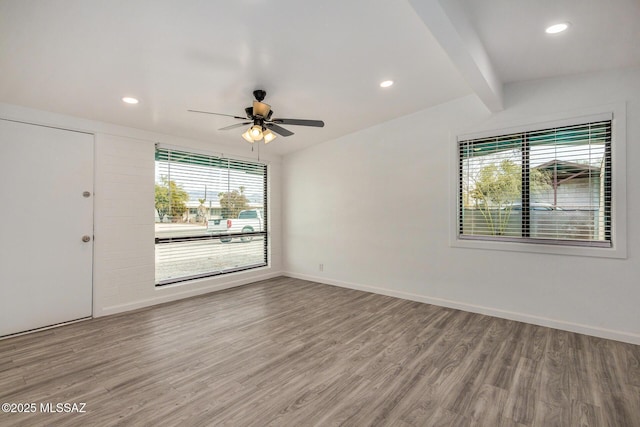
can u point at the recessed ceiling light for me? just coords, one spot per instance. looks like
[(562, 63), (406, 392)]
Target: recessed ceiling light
[(557, 28), (386, 83), (130, 100)]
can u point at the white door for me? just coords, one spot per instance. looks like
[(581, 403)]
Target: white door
[(45, 266)]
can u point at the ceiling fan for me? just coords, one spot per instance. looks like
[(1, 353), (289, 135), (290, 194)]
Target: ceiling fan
[(263, 126)]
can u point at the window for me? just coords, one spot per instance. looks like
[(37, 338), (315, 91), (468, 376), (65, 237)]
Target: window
[(210, 216), (551, 186)]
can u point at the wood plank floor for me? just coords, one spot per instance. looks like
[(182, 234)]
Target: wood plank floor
[(287, 352)]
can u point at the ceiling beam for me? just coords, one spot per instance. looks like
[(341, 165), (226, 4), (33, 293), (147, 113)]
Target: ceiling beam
[(449, 24)]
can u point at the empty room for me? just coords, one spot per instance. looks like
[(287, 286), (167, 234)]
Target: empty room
[(283, 213)]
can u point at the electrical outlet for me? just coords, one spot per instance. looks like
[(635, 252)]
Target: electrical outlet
[(321, 267)]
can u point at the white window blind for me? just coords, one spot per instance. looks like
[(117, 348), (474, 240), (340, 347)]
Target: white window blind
[(210, 216), (549, 186)]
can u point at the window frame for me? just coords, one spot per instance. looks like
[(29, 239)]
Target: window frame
[(614, 112), (200, 237)]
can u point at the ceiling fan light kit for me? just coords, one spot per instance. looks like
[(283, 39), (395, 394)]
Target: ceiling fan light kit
[(264, 127), (268, 136), (256, 132), (247, 136)]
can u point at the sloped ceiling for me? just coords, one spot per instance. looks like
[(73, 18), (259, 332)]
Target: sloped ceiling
[(315, 60), (604, 34)]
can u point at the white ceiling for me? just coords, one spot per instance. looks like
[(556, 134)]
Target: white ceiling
[(321, 60), (604, 34)]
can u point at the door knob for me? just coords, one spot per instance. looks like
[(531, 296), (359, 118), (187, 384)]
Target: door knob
[(86, 238)]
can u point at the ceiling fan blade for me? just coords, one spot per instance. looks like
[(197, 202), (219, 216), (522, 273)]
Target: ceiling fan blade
[(237, 125), (217, 114), (300, 122), (278, 129)]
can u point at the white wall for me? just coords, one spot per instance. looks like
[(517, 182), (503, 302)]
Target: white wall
[(374, 208), (124, 249)]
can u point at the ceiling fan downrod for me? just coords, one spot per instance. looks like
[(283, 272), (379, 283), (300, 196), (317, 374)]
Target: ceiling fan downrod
[(259, 94)]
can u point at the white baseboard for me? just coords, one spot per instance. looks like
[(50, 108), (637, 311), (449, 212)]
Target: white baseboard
[(188, 292), (490, 311)]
